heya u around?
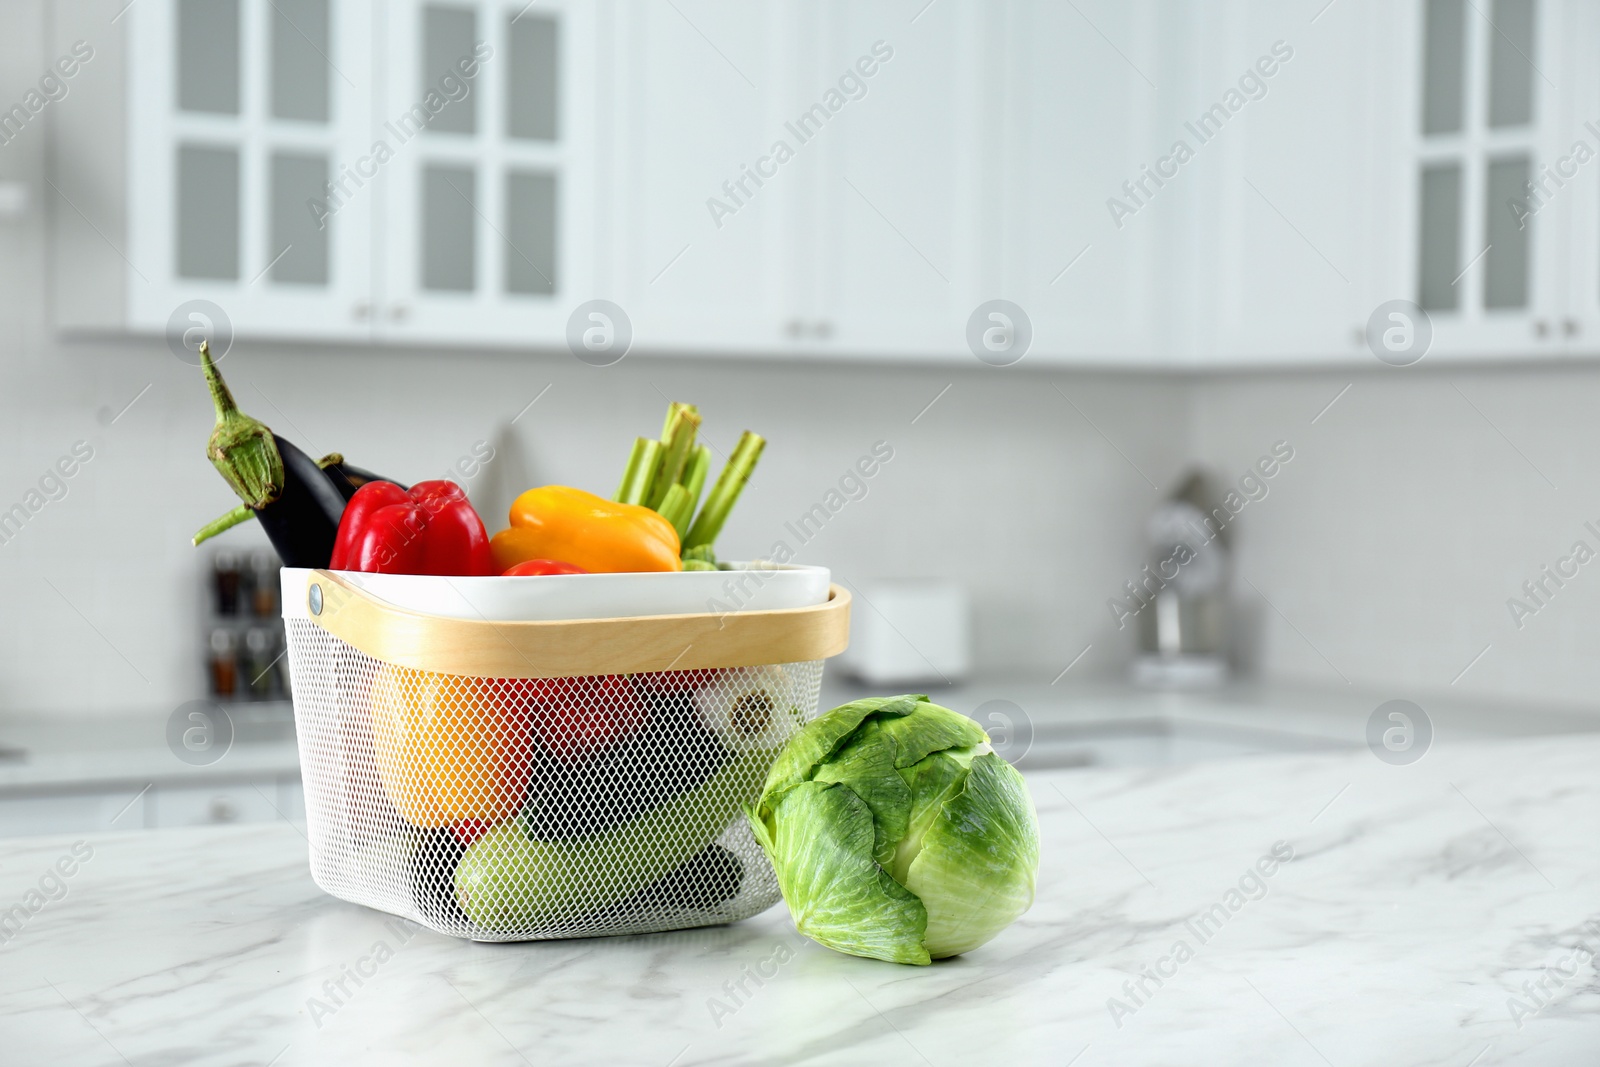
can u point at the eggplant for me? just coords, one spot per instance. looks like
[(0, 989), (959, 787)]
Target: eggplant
[(671, 755), (433, 878), (298, 500), (347, 477), (711, 877), (302, 522)]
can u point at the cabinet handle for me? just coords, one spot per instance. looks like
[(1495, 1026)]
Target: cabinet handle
[(398, 312), (361, 309), (222, 809), (1541, 328), (1569, 327), (798, 329)]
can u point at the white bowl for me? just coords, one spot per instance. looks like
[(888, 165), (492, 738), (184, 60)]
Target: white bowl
[(553, 597)]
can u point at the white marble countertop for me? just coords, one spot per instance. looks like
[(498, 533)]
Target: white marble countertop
[(57, 753), (1419, 901)]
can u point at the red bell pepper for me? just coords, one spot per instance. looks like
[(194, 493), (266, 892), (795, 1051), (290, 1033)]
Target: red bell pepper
[(429, 529), (542, 566)]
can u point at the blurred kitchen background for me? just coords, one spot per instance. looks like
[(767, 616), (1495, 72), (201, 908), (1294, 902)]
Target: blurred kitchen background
[(393, 216)]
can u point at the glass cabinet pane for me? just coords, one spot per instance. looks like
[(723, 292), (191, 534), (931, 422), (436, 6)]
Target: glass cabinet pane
[(1440, 236), (449, 248), (530, 233), (299, 241), (208, 56), (1444, 66), (207, 212), (1511, 62), (531, 78), (448, 34), (300, 60), (1505, 276)]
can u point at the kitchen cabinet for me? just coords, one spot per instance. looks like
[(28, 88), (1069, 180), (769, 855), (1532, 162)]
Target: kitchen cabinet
[(1388, 159), (837, 179), (199, 180), (700, 226), (1573, 201), (855, 179), (899, 253), (97, 806), (1308, 191), (225, 802), (487, 206), (1489, 109), (23, 815), (328, 169), (1276, 232), (1072, 117), (797, 178)]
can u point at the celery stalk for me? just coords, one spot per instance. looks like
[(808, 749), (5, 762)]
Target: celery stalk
[(672, 412), (640, 472), (694, 476), (677, 443), (730, 483), (675, 508), (629, 472)]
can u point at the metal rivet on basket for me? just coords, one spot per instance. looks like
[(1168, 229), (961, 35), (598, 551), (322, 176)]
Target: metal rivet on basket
[(316, 599)]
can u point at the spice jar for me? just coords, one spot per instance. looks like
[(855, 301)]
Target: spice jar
[(264, 585), (225, 582), (224, 663)]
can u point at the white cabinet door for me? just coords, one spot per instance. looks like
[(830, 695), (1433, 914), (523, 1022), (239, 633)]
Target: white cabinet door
[(896, 111), (486, 194), (23, 815), (1277, 230), (210, 805), (240, 113), (1487, 251), (699, 230), (1574, 186), (1074, 120)]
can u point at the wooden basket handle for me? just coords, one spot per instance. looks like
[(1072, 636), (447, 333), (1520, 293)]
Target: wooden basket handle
[(481, 648)]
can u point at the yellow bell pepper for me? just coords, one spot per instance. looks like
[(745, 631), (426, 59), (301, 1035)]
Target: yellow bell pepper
[(449, 748), (561, 523)]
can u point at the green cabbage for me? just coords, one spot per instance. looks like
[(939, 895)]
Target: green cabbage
[(896, 832)]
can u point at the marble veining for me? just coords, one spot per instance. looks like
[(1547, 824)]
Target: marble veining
[(1442, 913)]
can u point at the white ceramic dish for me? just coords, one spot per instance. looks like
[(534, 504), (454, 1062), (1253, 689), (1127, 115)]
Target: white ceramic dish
[(553, 597)]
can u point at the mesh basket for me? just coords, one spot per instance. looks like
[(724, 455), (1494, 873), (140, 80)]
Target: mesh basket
[(531, 780)]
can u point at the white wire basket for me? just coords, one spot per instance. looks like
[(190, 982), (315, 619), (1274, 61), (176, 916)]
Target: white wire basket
[(514, 781)]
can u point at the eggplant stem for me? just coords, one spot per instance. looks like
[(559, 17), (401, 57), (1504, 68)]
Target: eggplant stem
[(242, 448), (221, 396), (241, 514)]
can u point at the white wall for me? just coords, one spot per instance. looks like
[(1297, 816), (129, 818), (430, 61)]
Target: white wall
[(1413, 510), (1000, 484)]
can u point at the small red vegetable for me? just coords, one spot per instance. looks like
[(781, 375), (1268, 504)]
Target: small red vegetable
[(543, 566), (577, 718), (429, 529)]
